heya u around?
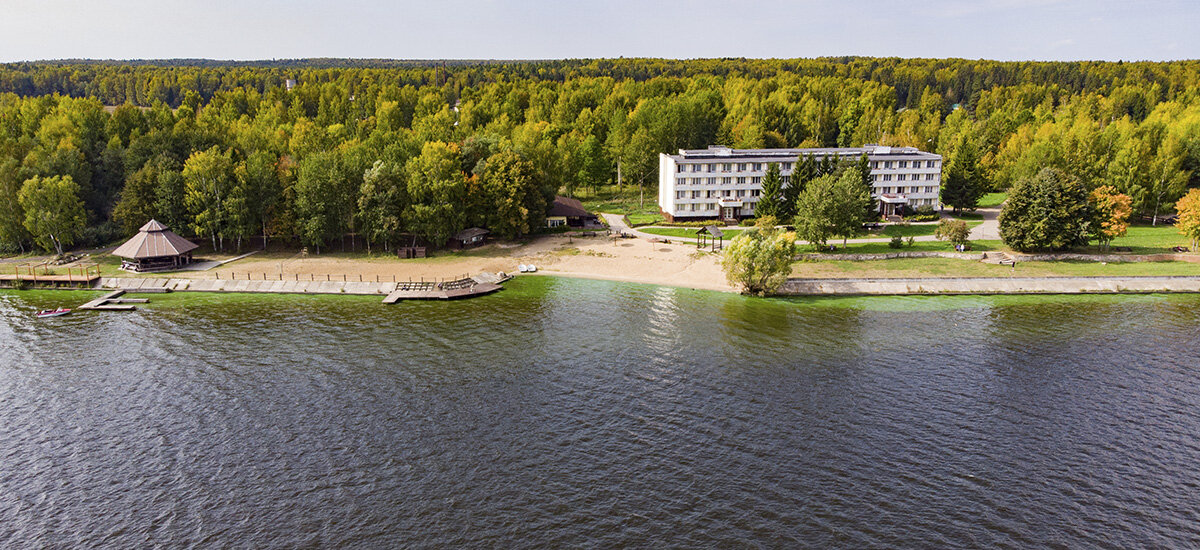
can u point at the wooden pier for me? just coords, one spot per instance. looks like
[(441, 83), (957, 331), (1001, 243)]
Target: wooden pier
[(81, 275), (467, 287), (113, 301)]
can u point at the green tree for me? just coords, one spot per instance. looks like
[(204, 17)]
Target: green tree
[(769, 204), (955, 231), (594, 167), (137, 204), (54, 212), (1049, 211), (759, 260), (863, 169), (258, 177), (12, 219), (318, 204), (831, 206), (208, 178), (437, 189), (381, 201), (962, 185), (517, 206)]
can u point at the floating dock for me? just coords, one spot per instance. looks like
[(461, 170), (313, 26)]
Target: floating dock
[(113, 301)]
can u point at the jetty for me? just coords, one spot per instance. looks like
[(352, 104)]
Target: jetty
[(43, 274), (466, 287), (113, 301)]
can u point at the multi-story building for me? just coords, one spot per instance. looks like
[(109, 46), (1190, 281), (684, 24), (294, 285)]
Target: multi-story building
[(725, 183)]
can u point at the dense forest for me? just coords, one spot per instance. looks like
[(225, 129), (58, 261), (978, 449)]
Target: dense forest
[(224, 150)]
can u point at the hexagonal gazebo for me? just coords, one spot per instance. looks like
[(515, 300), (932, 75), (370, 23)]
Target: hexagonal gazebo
[(155, 248)]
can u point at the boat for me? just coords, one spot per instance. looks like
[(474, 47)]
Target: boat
[(53, 312), (531, 268), (523, 268)]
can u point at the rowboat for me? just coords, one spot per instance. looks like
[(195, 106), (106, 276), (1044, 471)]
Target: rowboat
[(53, 312)]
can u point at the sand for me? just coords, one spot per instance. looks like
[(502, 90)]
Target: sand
[(628, 260)]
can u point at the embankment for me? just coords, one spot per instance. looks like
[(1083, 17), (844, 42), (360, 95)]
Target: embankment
[(990, 285)]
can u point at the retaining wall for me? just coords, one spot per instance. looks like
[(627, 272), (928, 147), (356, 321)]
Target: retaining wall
[(889, 256), (132, 284), (990, 285)]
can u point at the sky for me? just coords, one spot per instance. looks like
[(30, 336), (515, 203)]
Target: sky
[(556, 29)]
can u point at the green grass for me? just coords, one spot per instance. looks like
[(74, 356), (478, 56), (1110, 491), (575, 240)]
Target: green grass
[(991, 200), (948, 267), (918, 246), (1146, 239), (914, 230), (685, 232), (641, 209), (967, 216)]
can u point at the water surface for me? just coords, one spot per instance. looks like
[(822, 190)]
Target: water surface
[(566, 412)]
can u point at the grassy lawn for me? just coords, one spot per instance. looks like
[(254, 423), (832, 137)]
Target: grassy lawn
[(685, 232), (967, 215), (946, 267), (914, 230), (991, 200), (918, 246), (625, 201), (1146, 239)]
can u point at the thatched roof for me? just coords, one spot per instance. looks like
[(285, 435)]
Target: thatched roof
[(154, 240)]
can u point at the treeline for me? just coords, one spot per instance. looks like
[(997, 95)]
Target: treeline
[(226, 152)]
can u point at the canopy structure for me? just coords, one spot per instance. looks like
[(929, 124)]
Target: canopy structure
[(710, 233), (155, 248)]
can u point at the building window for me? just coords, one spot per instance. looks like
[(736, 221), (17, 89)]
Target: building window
[(741, 179), (887, 164), (874, 164), (787, 166), (755, 192), (741, 193), (695, 167), (726, 180), (785, 179), (755, 180), (725, 167), (929, 164), (711, 206), (887, 177), (712, 181), (726, 193), (680, 194), (741, 167), (904, 164), (901, 177), (679, 168), (757, 166), (712, 167)]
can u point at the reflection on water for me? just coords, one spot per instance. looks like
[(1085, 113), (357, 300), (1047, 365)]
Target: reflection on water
[(578, 413)]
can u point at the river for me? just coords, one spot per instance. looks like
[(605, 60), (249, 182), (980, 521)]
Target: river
[(565, 413)]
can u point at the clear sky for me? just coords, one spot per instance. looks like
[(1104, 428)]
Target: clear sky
[(555, 29)]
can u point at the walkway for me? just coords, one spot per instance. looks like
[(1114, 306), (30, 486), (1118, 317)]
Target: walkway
[(616, 222), (990, 285)]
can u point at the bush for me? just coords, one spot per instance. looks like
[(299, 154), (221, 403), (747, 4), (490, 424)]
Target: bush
[(896, 242), (955, 231), (759, 260)]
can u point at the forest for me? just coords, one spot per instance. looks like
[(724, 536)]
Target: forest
[(386, 148)]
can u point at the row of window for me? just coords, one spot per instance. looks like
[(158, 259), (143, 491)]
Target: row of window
[(783, 166), (741, 180), (902, 190), (713, 193), (711, 206), (904, 177), (889, 164)]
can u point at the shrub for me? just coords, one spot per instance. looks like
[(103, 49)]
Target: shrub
[(955, 231), (759, 260), (896, 242)]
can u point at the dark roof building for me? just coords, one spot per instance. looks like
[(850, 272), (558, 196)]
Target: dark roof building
[(568, 211), (155, 248)]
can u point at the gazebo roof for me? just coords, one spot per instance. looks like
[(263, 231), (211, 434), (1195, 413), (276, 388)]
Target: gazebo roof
[(711, 230), (154, 240)]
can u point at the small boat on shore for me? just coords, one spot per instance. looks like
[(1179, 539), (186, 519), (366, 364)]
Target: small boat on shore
[(53, 312)]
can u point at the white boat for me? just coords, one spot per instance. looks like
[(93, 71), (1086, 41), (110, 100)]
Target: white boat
[(53, 312), (523, 268), (532, 268)]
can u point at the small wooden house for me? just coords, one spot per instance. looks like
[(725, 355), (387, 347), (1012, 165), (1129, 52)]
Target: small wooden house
[(468, 238), (569, 212)]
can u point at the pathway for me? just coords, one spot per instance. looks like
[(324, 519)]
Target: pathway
[(616, 222)]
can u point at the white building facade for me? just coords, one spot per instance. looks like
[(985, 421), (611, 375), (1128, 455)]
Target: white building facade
[(725, 184)]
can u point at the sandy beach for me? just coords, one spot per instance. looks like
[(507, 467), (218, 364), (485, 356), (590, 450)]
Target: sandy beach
[(628, 260)]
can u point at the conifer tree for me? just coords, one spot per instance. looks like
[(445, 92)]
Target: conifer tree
[(770, 202)]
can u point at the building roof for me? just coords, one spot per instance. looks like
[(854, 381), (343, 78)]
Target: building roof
[(768, 155), (154, 240), (711, 230), (471, 233), (568, 207)]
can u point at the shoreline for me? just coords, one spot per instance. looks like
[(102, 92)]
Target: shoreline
[(794, 287)]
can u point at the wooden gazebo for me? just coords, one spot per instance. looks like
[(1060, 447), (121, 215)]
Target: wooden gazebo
[(710, 235), (155, 248)]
